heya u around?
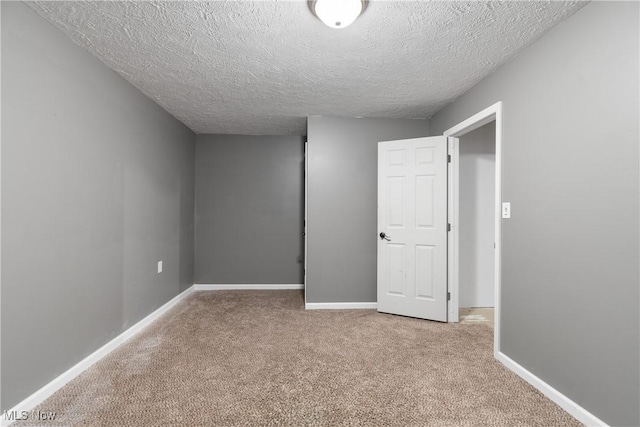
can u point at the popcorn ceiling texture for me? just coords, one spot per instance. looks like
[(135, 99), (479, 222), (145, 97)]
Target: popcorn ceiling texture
[(262, 67)]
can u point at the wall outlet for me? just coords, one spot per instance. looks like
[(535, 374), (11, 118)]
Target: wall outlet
[(159, 266), (506, 210)]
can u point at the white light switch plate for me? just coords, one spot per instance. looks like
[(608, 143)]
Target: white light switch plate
[(159, 266), (506, 210)]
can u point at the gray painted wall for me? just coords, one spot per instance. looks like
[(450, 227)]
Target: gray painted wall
[(477, 166), (342, 203), (249, 209), (97, 186), (570, 273)]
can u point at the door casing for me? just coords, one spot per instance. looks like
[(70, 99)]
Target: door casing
[(306, 208), (488, 115)]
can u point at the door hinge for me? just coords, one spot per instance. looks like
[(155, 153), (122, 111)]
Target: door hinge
[(448, 158), (448, 296), (448, 227)]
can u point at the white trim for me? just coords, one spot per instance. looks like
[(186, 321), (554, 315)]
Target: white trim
[(560, 399), (45, 392), (0, 185), (453, 215), (340, 305), (235, 287), (306, 209), (476, 121), (487, 115), (498, 230)]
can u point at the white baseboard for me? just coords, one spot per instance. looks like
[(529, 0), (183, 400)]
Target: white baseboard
[(227, 287), (340, 305), (45, 392), (560, 399)]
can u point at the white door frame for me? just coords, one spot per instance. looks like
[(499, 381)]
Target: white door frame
[(306, 205), (485, 116)]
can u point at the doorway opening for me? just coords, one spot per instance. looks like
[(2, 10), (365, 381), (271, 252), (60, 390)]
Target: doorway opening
[(476, 161), (475, 145)]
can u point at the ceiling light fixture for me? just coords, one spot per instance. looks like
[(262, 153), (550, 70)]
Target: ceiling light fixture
[(337, 13)]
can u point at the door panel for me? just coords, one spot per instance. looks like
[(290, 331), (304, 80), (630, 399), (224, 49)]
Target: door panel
[(396, 260), (396, 205), (424, 207), (424, 271), (412, 214)]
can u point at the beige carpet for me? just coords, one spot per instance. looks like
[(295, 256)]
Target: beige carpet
[(258, 358)]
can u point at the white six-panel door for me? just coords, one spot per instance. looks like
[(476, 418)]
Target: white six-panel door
[(412, 227)]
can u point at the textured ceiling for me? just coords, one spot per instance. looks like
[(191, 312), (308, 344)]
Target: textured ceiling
[(262, 67)]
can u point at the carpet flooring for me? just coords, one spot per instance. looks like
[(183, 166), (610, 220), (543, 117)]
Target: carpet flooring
[(257, 358)]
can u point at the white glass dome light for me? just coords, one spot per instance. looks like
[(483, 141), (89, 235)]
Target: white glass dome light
[(337, 13)]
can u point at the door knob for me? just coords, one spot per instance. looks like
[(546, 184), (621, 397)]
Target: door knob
[(385, 237)]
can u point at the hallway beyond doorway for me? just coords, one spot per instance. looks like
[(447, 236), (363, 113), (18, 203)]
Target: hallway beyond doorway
[(477, 315)]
